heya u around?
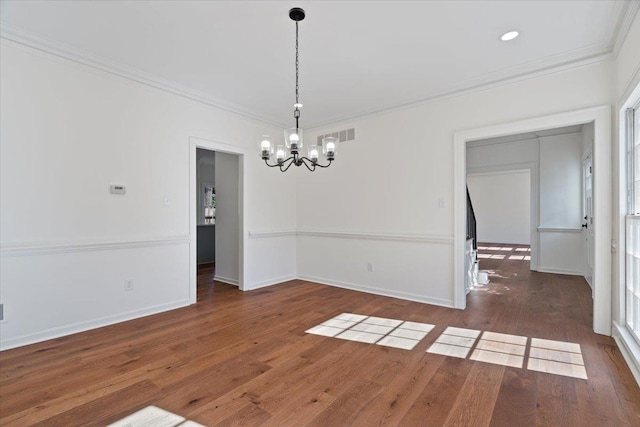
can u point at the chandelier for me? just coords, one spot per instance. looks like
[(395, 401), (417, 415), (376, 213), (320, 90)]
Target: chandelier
[(283, 156)]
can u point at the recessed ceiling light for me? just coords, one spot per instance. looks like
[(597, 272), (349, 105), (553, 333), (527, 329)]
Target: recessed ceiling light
[(509, 35)]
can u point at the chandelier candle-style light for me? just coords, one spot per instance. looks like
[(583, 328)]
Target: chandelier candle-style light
[(289, 154)]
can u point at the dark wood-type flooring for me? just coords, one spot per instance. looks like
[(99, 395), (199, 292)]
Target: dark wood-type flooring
[(243, 359)]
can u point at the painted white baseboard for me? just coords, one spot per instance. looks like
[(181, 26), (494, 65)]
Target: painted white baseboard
[(629, 348), (376, 291), (88, 325), (226, 280), (270, 282), (559, 271)]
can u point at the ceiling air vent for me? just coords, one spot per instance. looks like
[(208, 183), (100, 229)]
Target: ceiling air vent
[(342, 135)]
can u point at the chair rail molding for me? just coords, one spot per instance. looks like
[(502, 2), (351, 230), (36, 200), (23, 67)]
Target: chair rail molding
[(53, 247), (411, 238)]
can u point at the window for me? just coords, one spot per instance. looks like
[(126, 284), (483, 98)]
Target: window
[(632, 233), (209, 205)]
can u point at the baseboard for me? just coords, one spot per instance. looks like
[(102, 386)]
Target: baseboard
[(629, 348), (560, 271), (226, 280), (270, 282), (88, 325), (376, 291)]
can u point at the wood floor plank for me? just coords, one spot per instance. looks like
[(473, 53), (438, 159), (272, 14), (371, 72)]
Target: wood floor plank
[(244, 359)]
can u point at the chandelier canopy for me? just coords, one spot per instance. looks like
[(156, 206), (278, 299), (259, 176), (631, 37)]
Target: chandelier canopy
[(288, 154)]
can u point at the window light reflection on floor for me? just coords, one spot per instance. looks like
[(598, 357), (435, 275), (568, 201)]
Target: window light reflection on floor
[(454, 342), (547, 356), (556, 357), (500, 349)]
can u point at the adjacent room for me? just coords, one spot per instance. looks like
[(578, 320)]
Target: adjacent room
[(275, 213)]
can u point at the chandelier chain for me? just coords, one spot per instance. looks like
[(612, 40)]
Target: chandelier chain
[(297, 66)]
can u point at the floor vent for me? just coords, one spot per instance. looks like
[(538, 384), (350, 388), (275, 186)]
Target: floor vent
[(342, 135)]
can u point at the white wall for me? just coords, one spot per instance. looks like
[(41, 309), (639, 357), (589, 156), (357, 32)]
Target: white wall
[(561, 181), (587, 139), (502, 204), (67, 244), (481, 156), (227, 214), (561, 241), (385, 187)]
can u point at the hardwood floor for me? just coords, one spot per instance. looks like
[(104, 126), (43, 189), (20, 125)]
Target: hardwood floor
[(244, 359)]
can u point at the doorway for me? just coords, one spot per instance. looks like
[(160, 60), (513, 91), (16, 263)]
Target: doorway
[(216, 213), (601, 118)]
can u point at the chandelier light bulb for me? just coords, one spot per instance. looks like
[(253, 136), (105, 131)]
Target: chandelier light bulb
[(294, 137), (313, 153)]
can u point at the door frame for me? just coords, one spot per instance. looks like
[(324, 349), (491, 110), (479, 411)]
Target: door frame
[(601, 116), (194, 144)]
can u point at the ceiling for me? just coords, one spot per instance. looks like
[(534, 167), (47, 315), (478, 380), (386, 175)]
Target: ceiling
[(356, 57)]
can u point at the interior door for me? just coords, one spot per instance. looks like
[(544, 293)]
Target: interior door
[(587, 221)]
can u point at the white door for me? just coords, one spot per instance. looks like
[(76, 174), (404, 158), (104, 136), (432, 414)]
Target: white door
[(587, 221)]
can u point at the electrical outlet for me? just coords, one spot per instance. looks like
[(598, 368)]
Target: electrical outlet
[(2, 313), (441, 203), (370, 267), (128, 285)]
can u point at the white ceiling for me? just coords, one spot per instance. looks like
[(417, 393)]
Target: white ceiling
[(356, 56)]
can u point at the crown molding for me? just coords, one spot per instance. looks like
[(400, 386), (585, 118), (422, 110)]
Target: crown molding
[(46, 45), (621, 28), (615, 34), (589, 56)]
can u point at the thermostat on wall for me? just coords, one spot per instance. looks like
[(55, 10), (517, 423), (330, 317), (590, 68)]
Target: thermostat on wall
[(117, 189)]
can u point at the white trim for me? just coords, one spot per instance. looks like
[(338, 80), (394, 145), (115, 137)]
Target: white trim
[(270, 282), (560, 271), (88, 325), (559, 230), (52, 47), (48, 248), (271, 234), (500, 170), (226, 280), (621, 213), (377, 291), (629, 348), (194, 144), (622, 27), (601, 116), (411, 238)]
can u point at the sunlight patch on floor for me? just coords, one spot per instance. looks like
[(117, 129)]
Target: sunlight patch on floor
[(548, 356), (373, 330), (156, 417)]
